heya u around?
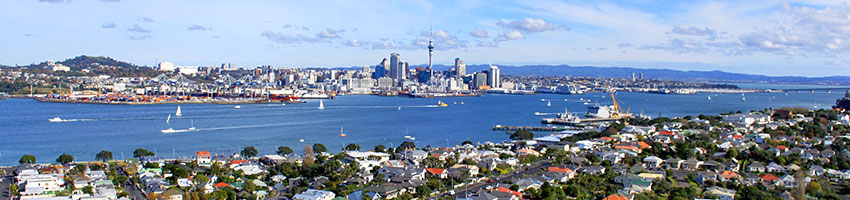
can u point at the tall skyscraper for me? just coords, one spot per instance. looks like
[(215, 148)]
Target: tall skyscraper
[(493, 78), (430, 52), (396, 67), (460, 68)]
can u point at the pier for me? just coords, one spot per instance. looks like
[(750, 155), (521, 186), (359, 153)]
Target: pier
[(533, 128)]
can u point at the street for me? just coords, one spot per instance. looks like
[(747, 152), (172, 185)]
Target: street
[(518, 174), (129, 187)]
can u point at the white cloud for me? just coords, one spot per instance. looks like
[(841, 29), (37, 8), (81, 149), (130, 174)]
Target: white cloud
[(52, 1), (694, 31), (198, 28), (479, 33), (508, 35), (138, 29), (146, 19), (330, 33), (285, 38), (139, 37), (108, 25), (352, 43), (531, 25)]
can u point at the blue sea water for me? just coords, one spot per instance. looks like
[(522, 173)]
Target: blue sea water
[(367, 121)]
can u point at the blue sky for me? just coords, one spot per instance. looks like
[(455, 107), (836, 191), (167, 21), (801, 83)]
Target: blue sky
[(808, 38)]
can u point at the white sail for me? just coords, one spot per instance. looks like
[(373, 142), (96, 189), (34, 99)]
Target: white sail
[(192, 127), (321, 105), (178, 113), (549, 103), (168, 120)]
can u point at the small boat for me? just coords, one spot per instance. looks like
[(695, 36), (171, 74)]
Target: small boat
[(341, 134), (409, 137), (192, 127), (399, 108), (709, 98), (56, 119), (549, 103), (169, 130), (542, 100), (454, 102), (178, 113), (283, 104), (461, 103), (743, 98), (237, 107), (441, 104), (301, 140), (566, 100), (537, 113), (321, 105)]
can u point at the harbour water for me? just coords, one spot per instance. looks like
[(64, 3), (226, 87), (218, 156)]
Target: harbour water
[(367, 121)]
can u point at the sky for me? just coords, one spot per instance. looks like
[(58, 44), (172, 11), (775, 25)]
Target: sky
[(799, 38)]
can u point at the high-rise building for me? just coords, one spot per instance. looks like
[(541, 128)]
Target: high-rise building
[(397, 69), (633, 77), (479, 79), (460, 68), (493, 78), (641, 76)]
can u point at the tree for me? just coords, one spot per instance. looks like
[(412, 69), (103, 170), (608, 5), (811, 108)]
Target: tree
[(103, 156), (380, 148), (319, 148), (88, 190), (352, 147), (284, 150), (249, 151), (522, 135), (406, 145), (732, 153), (26, 158), (65, 159), (465, 142), (140, 152), (308, 155)]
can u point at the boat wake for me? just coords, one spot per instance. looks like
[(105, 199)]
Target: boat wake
[(57, 120)]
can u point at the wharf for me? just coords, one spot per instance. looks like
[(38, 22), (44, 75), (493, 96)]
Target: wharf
[(534, 128), (572, 123)]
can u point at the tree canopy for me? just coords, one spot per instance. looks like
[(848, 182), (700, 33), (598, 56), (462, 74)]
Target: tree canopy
[(140, 152), (65, 159), (283, 150), (249, 151), (319, 147), (103, 156), (26, 158), (522, 135)]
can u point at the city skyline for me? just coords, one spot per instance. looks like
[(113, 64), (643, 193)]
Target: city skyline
[(771, 38)]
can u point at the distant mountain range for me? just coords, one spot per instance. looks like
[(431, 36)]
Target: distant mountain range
[(83, 61), (661, 74)]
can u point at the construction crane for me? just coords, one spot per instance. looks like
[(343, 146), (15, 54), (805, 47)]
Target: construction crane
[(617, 111)]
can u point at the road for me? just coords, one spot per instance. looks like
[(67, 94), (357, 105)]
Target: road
[(471, 189), (6, 181), (129, 187)]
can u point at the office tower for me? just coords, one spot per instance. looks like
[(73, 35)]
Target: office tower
[(479, 79), (641, 76), (396, 67), (633, 77), (381, 69), (460, 68), (493, 77)]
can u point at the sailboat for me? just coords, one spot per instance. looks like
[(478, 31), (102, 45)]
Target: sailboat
[(461, 103), (178, 113), (321, 105), (709, 98), (549, 103), (192, 127), (399, 108), (743, 98), (341, 133), (168, 120)]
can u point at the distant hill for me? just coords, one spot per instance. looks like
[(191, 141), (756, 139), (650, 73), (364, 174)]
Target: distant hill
[(661, 74), (83, 61)]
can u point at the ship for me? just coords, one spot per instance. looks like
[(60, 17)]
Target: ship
[(607, 111), (565, 118)]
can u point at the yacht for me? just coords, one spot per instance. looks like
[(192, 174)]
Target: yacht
[(321, 105), (178, 113), (237, 107)]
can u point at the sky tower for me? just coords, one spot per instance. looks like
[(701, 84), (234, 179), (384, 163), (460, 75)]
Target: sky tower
[(430, 52)]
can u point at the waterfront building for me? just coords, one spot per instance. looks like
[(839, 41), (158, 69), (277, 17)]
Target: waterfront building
[(479, 80), (493, 79), (398, 68), (460, 68), (165, 66)]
